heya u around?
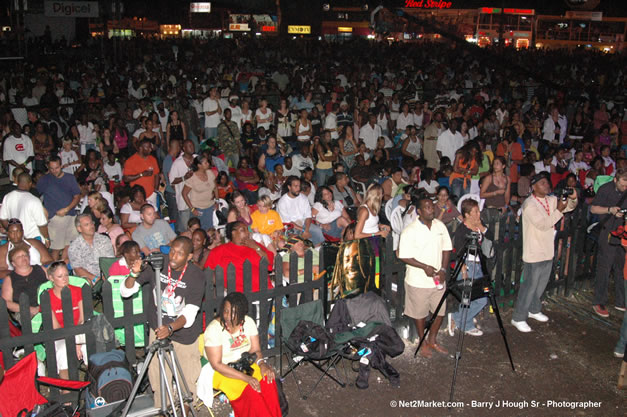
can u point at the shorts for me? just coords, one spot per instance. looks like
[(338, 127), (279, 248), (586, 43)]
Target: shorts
[(61, 354), (420, 301), (62, 231)]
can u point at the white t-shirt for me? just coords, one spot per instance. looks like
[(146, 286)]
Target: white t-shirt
[(330, 123), (68, 157), (210, 104), (403, 121), (26, 207), (233, 345), (575, 166), (449, 143), (179, 169), (325, 216), (539, 167), (302, 162), (113, 170), (431, 188), (264, 116), (294, 210), (86, 133), (18, 150)]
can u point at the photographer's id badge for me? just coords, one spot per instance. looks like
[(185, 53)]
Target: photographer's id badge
[(168, 304)]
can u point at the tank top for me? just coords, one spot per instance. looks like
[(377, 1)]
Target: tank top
[(303, 128), (35, 257), (497, 201), (176, 131), (121, 140), (372, 223), (414, 147), (28, 284)]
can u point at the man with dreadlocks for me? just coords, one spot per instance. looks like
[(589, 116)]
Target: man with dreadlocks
[(231, 334), (183, 288)]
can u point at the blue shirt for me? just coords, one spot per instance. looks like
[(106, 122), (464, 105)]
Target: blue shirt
[(58, 192)]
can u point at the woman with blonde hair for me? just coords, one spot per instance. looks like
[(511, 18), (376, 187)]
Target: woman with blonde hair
[(368, 215)]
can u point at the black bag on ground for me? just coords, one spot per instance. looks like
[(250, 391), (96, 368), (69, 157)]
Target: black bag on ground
[(310, 340), (110, 376)]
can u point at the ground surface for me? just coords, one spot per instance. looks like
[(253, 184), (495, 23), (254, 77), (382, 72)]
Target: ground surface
[(568, 359)]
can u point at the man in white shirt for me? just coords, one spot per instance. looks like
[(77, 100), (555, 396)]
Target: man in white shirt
[(86, 134), (21, 204), (18, 150), (236, 111), (425, 246), (449, 142), (330, 123), (371, 132), (555, 127), (180, 172), (303, 159), (213, 112), (293, 207)]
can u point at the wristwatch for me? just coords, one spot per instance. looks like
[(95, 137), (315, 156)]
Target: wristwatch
[(170, 329)]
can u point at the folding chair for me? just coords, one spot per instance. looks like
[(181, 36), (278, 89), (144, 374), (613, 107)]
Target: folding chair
[(290, 317), (18, 392)]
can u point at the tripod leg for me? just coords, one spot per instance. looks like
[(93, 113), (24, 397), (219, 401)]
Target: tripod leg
[(460, 342), (138, 382), (495, 307), (170, 361), (189, 397), (167, 385), (431, 320)]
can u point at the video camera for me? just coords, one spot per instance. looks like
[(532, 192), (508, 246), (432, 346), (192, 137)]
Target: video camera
[(156, 260), (565, 192)]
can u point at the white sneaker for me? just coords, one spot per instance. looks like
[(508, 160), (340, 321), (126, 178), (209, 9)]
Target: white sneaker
[(474, 332), (539, 317), (522, 326)]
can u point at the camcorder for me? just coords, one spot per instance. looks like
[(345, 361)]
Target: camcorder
[(156, 260), (244, 363), (565, 192)]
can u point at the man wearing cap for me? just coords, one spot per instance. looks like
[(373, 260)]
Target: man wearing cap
[(540, 213), (344, 117)]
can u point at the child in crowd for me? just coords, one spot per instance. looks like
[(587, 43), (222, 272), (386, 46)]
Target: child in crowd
[(69, 158)]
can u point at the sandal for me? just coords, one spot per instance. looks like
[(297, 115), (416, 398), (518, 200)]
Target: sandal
[(438, 348), (425, 351)]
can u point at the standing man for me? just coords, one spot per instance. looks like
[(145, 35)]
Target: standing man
[(143, 169), (61, 194), (330, 122), (18, 150), (228, 139), (540, 212), (432, 132), (170, 196), (87, 249), (425, 246), (182, 285), (608, 203), (449, 142), (213, 111), (21, 204), (180, 172)]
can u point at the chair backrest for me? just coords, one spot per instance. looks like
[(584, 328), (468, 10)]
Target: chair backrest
[(311, 311), (388, 208), (18, 390), (105, 263), (475, 197), (396, 222), (116, 282)]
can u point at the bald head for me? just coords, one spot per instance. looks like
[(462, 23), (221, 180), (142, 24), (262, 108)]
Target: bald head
[(24, 181)]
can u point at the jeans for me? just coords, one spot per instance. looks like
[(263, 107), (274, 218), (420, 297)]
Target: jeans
[(535, 278), (206, 217), (609, 257), (316, 234), (173, 211), (458, 189), (322, 175), (474, 272), (194, 139), (184, 216), (211, 132), (620, 346)]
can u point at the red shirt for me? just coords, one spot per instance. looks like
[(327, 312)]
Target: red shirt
[(230, 253), (55, 304), (136, 165), (118, 269)]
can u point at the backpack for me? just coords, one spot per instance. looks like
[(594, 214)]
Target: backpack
[(110, 377), (310, 340)]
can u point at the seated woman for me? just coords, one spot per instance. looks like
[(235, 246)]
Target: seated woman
[(329, 214), (60, 277), (445, 210), (130, 216), (200, 243), (129, 252), (224, 184), (240, 249), (108, 226), (39, 255), (24, 279), (227, 337)]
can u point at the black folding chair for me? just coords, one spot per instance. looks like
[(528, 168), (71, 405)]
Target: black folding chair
[(290, 318)]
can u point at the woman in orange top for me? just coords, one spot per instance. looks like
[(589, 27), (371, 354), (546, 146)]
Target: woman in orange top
[(225, 186), (511, 150), (467, 161)]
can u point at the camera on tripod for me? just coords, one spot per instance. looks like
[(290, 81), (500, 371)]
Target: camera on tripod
[(156, 260), (244, 363), (473, 237), (565, 192)]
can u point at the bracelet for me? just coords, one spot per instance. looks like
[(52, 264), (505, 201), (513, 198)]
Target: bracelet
[(133, 274), (170, 329), (372, 235), (260, 360)]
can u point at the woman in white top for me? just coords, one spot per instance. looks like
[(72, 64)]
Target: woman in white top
[(412, 145), (383, 120), (247, 114), (368, 215), (303, 127), (284, 118), (263, 115), (329, 214), (405, 118)]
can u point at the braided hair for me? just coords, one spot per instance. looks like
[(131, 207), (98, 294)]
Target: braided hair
[(239, 308)]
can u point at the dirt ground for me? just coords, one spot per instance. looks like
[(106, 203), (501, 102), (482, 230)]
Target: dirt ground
[(562, 362)]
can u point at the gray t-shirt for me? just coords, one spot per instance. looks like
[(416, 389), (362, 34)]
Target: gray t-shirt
[(159, 234)]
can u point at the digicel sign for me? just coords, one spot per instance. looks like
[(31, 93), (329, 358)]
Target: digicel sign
[(71, 8), (428, 4)]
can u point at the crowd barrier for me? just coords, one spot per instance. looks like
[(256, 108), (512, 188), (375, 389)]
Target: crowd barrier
[(573, 267)]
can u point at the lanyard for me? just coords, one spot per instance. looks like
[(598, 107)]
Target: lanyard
[(171, 288), (545, 207)]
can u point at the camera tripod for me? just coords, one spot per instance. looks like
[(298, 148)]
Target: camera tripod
[(465, 291), (166, 356)]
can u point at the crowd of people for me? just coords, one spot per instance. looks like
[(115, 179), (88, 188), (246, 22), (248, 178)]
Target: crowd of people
[(271, 147)]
